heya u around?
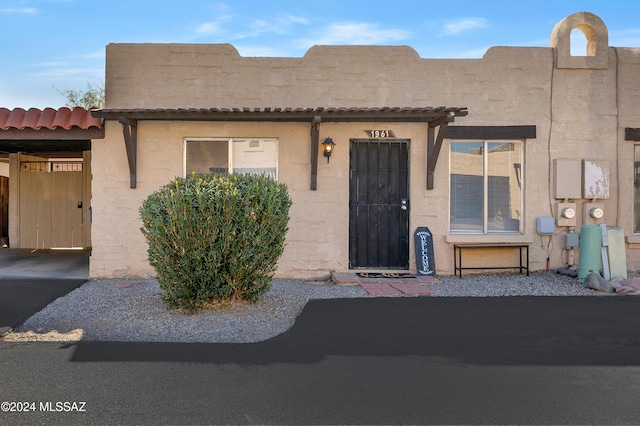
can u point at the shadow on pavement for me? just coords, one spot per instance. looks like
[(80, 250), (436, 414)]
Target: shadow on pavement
[(30, 280), (21, 298), (487, 331)]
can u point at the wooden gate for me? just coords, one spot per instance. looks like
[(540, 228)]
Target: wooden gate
[(379, 204), (50, 197), (4, 210)]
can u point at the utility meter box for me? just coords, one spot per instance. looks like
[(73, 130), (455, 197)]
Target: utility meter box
[(572, 240), (595, 179), (545, 225), (566, 214), (592, 213), (567, 180)]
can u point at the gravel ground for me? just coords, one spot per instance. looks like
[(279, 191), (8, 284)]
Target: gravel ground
[(117, 310)]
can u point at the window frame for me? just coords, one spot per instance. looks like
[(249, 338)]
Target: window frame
[(636, 185), (229, 142), (485, 187)]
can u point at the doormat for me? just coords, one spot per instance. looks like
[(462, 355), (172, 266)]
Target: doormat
[(385, 275)]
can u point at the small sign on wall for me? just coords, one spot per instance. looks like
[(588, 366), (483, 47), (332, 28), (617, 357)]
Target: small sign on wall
[(385, 133), (425, 260)]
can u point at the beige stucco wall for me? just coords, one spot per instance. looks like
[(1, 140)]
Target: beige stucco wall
[(627, 95), (578, 113), (316, 242)]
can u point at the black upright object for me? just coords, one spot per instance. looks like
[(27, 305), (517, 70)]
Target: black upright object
[(379, 235), (425, 259)]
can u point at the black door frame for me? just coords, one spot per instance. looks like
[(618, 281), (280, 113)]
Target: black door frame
[(366, 249)]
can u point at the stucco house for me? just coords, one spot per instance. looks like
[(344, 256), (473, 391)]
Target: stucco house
[(477, 150)]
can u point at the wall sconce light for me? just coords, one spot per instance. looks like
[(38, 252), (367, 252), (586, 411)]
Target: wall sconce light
[(327, 147)]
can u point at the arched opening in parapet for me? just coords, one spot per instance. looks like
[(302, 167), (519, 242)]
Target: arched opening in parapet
[(578, 43), (583, 40)]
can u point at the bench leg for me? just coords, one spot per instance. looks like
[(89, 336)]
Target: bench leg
[(520, 250)]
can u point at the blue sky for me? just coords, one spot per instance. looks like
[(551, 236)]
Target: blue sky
[(50, 45)]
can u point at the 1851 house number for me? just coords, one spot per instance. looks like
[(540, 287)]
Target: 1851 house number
[(380, 133)]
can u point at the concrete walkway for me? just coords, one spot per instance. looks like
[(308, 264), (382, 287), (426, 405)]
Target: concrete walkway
[(26, 263), (387, 285)]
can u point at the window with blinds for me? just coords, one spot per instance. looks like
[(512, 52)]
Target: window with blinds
[(636, 188), (485, 186), (247, 155)]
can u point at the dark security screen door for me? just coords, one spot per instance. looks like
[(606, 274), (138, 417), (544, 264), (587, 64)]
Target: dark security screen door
[(379, 204)]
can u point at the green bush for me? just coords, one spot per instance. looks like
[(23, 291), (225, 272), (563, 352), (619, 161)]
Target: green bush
[(215, 238)]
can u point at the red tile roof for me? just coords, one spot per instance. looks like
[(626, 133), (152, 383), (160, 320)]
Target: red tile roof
[(49, 118)]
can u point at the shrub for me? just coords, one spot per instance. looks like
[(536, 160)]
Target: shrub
[(215, 238)]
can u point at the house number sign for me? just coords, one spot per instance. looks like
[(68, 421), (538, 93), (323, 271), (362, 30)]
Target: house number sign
[(380, 133)]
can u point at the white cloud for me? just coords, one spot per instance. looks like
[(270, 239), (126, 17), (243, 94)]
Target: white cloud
[(260, 26), (221, 8), (248, 28), (215, 27), (98, 54), (279, 25), (355, 33), (23, 10), (209, 28), (290, 19), (51, 64), (463, 25), (66, 70)]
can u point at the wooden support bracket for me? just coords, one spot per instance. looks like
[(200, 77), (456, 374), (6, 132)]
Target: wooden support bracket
[(434, 144), (315, 143), (130, 131)]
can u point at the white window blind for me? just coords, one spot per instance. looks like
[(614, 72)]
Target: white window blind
[(485, 186), (249, 155)]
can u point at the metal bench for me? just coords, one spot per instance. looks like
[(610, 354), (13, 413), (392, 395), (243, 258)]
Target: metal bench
[(458, 248)]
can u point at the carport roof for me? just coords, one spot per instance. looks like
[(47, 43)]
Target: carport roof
[(49, 129), (49, 118)]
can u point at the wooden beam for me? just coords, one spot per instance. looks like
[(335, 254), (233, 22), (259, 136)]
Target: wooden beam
[(58, 135), (433, 117), (12, 146), (430, 147), (434, 145), (399, 115), (130, 132), (491, 132), (631, 134), (315, 143)]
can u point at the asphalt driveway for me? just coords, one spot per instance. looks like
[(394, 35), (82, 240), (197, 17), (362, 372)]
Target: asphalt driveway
[(30, 280), (21, 298), (428, 360), (400, 360)]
